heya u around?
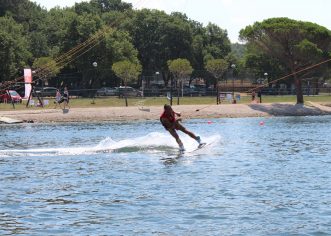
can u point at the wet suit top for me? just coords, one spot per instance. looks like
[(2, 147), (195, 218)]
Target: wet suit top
[(167, 117)]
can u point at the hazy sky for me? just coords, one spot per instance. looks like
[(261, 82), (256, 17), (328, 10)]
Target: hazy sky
[(231, 15)]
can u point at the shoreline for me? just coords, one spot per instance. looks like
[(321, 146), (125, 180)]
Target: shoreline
[(135, 113)]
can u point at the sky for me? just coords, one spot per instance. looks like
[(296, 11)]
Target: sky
[(231, 15)]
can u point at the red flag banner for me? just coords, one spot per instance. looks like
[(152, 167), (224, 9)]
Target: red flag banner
[(28, 81)]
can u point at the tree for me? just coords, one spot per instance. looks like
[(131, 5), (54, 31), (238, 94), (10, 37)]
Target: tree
[(32, 18), (146, 32), (208, 43), (13, 49), (10, 6), (217, 42), (127, 71), (257, 64), (111, 5), (238, 49), (116, 46), (58, 23), (217, 67), (158, 38), (180, 68), (47, 66), (294, 44)]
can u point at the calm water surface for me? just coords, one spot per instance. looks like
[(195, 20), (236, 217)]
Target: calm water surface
[(271, 178)]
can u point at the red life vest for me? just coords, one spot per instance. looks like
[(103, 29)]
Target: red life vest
[(170, 117)]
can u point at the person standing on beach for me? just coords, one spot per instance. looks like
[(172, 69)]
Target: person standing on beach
[(253, 95), (259, 94), (58, 98), (66, 97), (171, 124)]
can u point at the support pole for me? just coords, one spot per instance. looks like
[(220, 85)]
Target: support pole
[(11, 99), (171, 83), (32, 88)]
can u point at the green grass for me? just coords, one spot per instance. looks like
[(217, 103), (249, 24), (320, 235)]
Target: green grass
[(159, 101)]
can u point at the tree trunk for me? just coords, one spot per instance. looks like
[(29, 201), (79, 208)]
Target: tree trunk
[(298, 87)]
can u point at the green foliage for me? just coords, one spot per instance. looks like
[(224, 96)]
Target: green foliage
[(31, 17), (288, 40), (87, 24), (127, 71), (292, 45), (9, 6), (176, 38), (208, 43), (257, 64), (217, 67), (13, 49), (47, 66), (307, 49), (238, 49), (159, 38), (120, 47), (180, 68), (58, 23), (38, 44), (111, 5), (24, 12), (81, 27), (115, 46), (149, 37), (217, 42)]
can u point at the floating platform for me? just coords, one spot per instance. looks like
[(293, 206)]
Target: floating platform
[(7, 120)]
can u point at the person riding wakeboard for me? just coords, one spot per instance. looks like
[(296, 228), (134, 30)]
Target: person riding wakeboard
[(171, 124)]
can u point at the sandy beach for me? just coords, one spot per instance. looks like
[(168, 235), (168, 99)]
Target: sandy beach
[(44, 115)]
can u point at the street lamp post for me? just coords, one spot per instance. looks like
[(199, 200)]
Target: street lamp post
[(177, 91), (265, 81), (95, 65), (233, 66), (157, 73), (171, 84), (217, 92), (157, 76), (266, 76), (142, 86), (261, 81)]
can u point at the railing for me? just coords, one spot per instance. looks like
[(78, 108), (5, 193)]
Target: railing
[(89, 93)]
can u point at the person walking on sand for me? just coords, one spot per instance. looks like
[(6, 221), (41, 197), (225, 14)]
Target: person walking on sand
[(66, 97), (171, 124), (58, 99), (253, 95)]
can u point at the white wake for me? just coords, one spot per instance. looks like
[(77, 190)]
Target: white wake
[(152, 142)]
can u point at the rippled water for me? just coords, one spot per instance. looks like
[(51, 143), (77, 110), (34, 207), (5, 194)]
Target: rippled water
[(259, 176)]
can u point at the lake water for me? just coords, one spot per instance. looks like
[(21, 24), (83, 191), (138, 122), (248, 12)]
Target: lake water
[(259, 176)]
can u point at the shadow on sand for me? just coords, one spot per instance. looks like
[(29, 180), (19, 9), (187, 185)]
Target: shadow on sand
[(278, 109)]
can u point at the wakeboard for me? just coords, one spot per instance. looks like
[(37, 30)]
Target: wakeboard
[(200, 146)]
